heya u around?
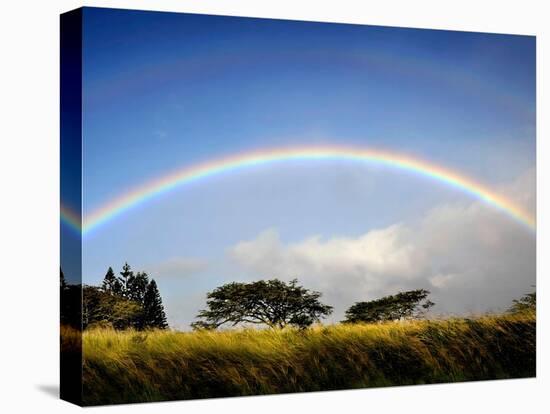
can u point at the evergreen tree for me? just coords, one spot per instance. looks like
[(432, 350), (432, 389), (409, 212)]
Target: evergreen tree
[(125, 279), (111, 284), (153, 311), (70, 303), (63, 281), (137, 286), (126, 301)]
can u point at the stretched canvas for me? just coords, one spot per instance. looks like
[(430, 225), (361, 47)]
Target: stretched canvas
[(258, 206)]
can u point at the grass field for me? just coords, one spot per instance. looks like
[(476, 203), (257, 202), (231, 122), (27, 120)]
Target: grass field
[(129, 366)]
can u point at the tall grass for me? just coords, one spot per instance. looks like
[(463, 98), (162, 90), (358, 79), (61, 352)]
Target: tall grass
[(129, 366)]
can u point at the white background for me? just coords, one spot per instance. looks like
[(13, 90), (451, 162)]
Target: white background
[(29, 229)]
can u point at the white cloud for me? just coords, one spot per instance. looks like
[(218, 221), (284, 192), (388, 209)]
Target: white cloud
[(472, 257), (441, 280)]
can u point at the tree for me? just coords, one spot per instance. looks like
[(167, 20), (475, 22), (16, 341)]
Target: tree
[(273, 303), (111, 284), (70, 303), (101, 308), (125, 276), (128, 301), (153, 311), (63, 282), (404, 305), (527, 303), (137, 286)]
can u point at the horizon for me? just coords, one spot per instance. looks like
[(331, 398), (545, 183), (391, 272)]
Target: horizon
[(166, 91)]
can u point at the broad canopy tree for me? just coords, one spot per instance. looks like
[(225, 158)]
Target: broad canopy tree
[(403, 305), (273, 303), (100, 308)]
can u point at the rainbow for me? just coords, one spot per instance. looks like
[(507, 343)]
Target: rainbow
[(70, 217), (192, 173)]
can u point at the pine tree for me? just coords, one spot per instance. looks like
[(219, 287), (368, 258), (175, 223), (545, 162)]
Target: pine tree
[(153, 311), (137, 286), (126, 279), (111, 284), (63, 281)]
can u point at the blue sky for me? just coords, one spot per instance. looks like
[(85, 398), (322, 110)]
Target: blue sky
[(165, 90)]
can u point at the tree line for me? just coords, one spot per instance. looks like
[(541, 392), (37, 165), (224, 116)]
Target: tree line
[(277, 304), (130, 300)]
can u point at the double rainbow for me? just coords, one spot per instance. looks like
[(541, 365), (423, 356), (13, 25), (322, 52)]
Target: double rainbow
[(192, 173)]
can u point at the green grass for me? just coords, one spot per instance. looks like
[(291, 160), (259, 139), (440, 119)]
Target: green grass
[(128, 366)]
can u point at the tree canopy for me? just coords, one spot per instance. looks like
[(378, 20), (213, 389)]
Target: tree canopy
[(403, 305), (100, 308), (273, 303), (127, 301), (527, 303)]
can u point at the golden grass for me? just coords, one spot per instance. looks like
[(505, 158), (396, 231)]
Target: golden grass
[(130, 366)]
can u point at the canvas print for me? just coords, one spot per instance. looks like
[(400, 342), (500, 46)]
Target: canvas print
[(259, 206)]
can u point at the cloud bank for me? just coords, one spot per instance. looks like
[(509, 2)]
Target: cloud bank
[(471, 257)]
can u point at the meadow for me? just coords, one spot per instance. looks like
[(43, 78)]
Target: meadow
[(131, 366)]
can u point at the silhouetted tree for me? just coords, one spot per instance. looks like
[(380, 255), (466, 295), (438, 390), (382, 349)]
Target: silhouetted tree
[(70, 302), (128, 301), (273, 303), (125, 276), (63, 282), (527, 303), (137, 286), (100, 308), (153, 311), (403, 305), (111, 284)]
